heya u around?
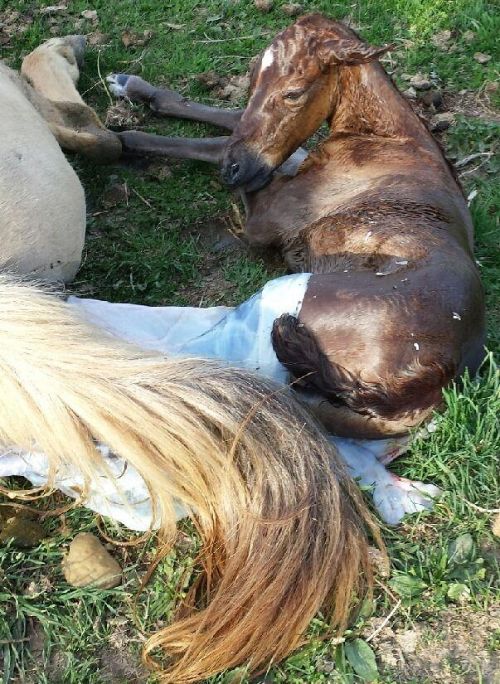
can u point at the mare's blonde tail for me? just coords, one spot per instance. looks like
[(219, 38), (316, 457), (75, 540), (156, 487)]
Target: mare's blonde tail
[(282, 527)]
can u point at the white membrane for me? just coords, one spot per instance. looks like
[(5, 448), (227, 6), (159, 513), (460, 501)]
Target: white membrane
[(241, 336)]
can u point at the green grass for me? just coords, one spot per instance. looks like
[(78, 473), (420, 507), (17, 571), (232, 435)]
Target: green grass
[(153, 249)]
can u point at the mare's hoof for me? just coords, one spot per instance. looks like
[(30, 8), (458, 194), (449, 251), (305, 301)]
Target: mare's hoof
[(78, 43), (399, 497)]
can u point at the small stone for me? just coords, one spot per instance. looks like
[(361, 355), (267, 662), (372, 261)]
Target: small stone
[(293, 9), (468, 36), (420, 82), (441, 39), (482, 57), (264, 5), (97, 38), (441, 122), (495, 526), (491, 86), (408, 640), (405, 77), (53, 9), (89, 564), (432, 98), (90, 15), (379, 562), (410, 93)]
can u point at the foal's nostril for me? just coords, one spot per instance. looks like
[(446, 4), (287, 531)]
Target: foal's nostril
[(231, 172)]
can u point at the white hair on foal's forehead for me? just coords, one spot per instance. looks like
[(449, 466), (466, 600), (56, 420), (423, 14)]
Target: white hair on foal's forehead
[(267, 58)]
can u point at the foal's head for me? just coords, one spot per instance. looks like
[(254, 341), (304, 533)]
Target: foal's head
[(293, 90)]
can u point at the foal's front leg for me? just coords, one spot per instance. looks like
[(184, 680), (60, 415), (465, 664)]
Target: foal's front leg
[(203, 149), (170, 103)]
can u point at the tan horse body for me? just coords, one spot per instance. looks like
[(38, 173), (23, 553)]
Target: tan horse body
[(42, 203)]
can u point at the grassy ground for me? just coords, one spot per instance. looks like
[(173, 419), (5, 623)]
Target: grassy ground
[(168, 233)]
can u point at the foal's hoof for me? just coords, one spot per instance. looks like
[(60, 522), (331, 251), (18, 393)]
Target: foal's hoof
[(400, 497), (118, 84)]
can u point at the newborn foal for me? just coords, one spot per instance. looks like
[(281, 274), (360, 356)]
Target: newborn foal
[(393, 310)]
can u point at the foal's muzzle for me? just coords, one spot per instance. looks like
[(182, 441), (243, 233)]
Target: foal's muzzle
[(241, 168)]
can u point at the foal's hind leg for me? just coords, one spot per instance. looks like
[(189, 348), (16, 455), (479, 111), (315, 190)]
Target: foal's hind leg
[(169, 103), (50, 73)]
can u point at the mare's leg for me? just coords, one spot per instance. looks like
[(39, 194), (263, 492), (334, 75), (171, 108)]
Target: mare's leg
[(169, 103), (53, 68), (50, 75)]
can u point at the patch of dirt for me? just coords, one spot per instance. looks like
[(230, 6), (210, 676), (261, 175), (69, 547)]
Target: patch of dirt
[(118, 661), (218, 241), (229, 88), (475, 103), (221, 242), (12, 25), (469, 103), (120, 665), (450, 649)]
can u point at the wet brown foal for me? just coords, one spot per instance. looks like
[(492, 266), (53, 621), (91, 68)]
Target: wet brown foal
[(394, 309)]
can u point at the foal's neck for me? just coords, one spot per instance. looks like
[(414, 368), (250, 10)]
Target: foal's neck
[(369, 104)]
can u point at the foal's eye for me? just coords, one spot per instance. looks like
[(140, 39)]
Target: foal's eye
[(293, 95)]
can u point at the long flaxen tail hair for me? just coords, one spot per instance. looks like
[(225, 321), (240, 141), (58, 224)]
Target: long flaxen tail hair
[(283, 529)]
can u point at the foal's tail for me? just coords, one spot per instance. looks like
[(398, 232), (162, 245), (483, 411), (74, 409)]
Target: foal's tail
[(283, 529)]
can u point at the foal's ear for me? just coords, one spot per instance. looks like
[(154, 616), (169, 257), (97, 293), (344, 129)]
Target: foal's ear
[(349, 52)]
